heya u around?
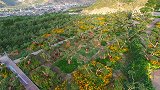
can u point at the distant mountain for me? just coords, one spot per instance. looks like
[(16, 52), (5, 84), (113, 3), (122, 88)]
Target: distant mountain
[(2, 4), (19, 2), (30, 2), (10, 2), (71, 1)]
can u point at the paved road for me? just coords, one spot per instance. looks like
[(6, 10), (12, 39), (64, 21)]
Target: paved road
[(28, 84), (156, 13), (152, 25)]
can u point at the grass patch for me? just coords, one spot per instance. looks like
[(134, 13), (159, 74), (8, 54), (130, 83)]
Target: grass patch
[(65, 67)]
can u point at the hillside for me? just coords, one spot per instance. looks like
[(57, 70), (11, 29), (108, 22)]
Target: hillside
[(96, 52), (62, 51), (10, 2), (31, 2), (110, 6), (21, 2), (2, 4)]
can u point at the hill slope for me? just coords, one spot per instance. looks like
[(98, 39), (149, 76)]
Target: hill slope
[(30, 2), (2, 4), (106, 6), (21, 2), (10, 2), (105, 50)]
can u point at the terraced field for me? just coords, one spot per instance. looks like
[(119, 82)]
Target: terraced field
[(114, 51)]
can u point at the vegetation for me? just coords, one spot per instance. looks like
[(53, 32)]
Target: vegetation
[(17, 33), (151, 5), (83, 52), (9, 80)]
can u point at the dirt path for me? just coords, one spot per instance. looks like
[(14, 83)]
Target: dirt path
[(156, 13), (153, 23), (156, 73), (156, 79)]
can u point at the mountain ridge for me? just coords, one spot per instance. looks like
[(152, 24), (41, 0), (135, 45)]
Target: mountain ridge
[(30, 2)]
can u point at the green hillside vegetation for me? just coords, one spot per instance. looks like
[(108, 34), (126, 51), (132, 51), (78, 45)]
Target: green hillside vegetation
[(106, 50), (116, 51), (17, 33), (151, 5)]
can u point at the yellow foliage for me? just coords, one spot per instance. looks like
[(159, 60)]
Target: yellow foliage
[(58, 31), (101, 18), (80, 22), (82, 78), (158, 25), (82, 27), (150, 46), (93, 62), (138, 19), (154, 62), (102, 23), (46, 35), (115, 58), (113, 48), (62, 86), (104, 31), (157, 53), (4, 75), (125, 49)]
